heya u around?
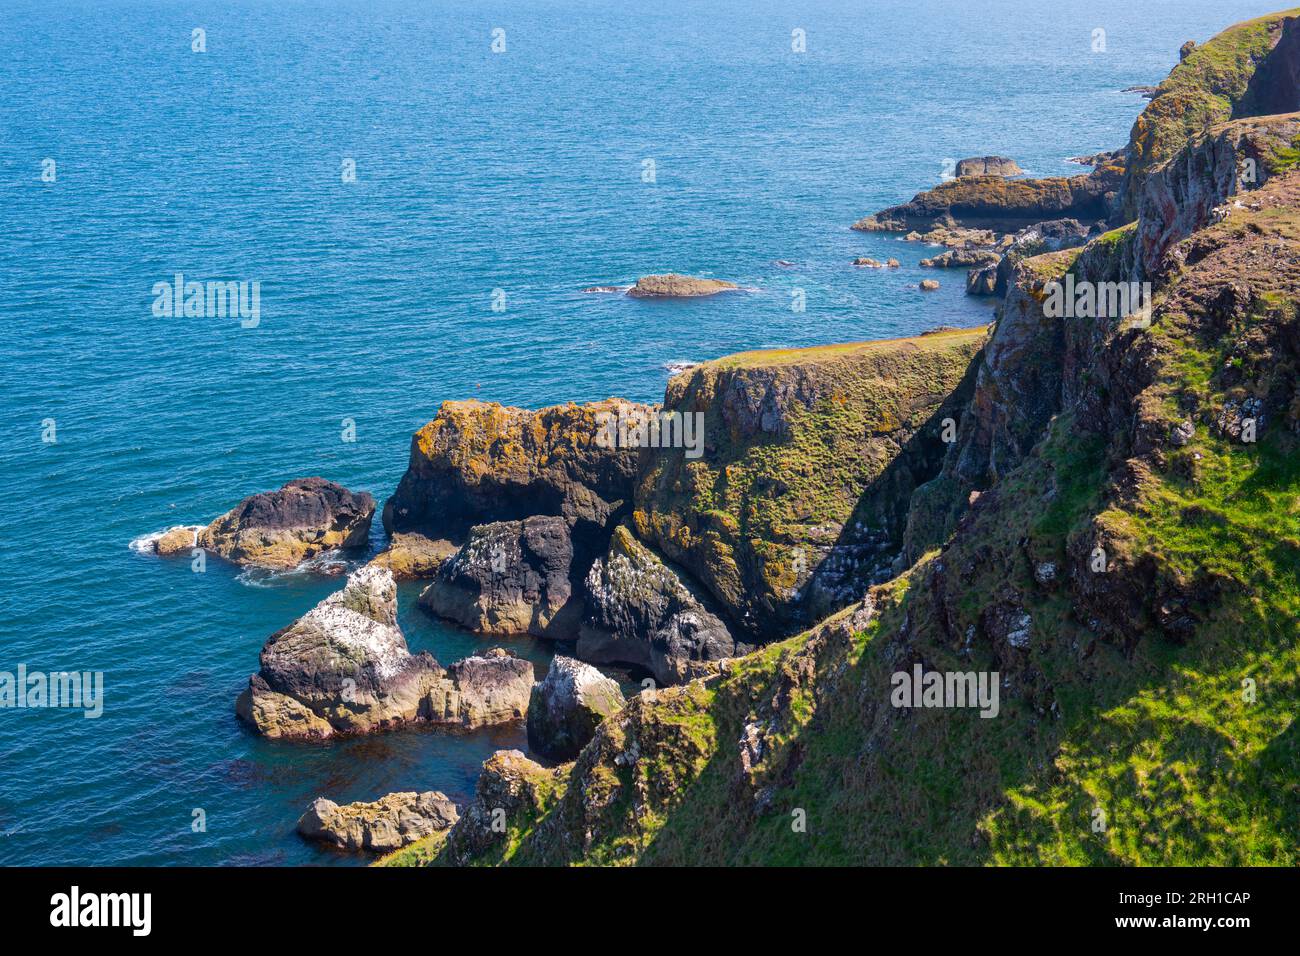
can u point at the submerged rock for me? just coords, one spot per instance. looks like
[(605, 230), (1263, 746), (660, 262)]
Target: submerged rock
[(673, 285), (285, 527), (642, 611), (568, 706), (344, 667), (511, 577), (387, 824)]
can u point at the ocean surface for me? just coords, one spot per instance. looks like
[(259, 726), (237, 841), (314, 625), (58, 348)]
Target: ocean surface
[(517, 178)]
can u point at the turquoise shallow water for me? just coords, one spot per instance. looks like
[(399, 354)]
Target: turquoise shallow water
[(519, 171)]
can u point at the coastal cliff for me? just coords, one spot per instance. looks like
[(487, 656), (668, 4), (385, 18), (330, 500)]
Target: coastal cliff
[(1113, 534)]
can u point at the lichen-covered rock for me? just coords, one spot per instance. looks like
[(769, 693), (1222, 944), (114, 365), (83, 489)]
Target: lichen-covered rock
[(969, 257), (480, 462), (810, 454), (178, 539), (285, 527), (344, 668), (387, 824), (568, 706), (413, 556), (673, 285), (642, 611), (988, 166), (511, 577)]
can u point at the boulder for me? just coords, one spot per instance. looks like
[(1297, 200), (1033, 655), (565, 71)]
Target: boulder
[(413, 556), (988, 166), (568, 706), (963, 258), (285, 527), (480, 462), (510, 787), (869, 263), (929, 285), (387, 824), (344, 668), (511, 577), (673, 285), (642, 611), (178, 539)]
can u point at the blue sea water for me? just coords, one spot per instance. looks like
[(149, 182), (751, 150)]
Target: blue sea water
[(520, 171)]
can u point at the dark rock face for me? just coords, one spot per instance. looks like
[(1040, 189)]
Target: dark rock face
[(988, 166), (282, 528), (642, 611), (511, 577), (479, 462), (568, 706), (387, 824), (344, 668), (1035, 240)]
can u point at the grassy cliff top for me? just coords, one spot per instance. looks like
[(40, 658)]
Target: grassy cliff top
[(817, 354)]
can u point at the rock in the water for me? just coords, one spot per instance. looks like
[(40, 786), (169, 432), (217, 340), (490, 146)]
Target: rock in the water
[(479, 462), (413, 556), (178, 539), (963, 258), (344, 667), (283, 528), (673, 285), (568, 706), (868, 262), (511, 577), (988, 166), (642, 611), (929, 285), (387, 824)]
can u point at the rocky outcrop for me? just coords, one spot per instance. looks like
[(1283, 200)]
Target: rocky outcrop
[(479, 462), (413, 556), (963, 258), (511, 577), (988, 166), (181, 538), (642, 611), (387, 824), (1004, 205), (344, 668), (568, 706), (806, 454), (511, 792), (285, 527), (1051, 236), (677, 286)]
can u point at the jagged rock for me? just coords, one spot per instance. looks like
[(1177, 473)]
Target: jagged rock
[(413, 556), (868, 262), (479, 462), (509, 786), (642, 611), (283, 528), (673, 285), (177, 539), (1185, 50), (568, 706), (387, 824), (988, 166), (1042, 237), (964, 258), (344, 667), (511, 577)]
